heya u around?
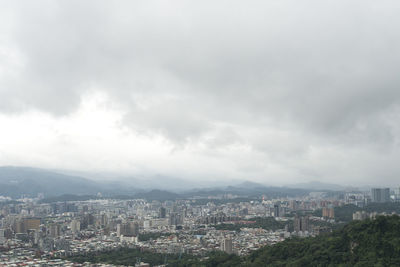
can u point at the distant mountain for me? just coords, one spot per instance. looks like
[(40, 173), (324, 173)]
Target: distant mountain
[(144, 182), (248, 189), (160, 182), (315, 185), (160, 195), (18, 181), (250, 185)]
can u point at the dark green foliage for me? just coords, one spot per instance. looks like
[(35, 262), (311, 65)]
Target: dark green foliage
[(317, 213), (345, 213), (148, 236), (129, 256), (360, 243), (220, 259)]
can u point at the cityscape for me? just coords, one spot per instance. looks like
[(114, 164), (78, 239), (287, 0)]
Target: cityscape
[(34, 232), (213, 133)]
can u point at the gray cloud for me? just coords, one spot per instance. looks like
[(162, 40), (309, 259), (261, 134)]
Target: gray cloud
[(281, 78)]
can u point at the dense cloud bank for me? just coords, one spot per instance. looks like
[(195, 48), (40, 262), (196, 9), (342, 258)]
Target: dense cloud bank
[(277, 91)]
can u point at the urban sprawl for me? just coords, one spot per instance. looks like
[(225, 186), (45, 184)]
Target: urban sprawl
[(33, 233)]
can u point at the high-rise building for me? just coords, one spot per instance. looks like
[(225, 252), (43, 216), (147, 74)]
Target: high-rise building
[(128, 229), (380, 195), (19, 227), (301, 224), (75, 226), (23, 225), (293, 205), (32, 224), (2, 236), (55, 230), (134, 228), (277, 210), (119, 227), (175, 218), (328, 212), (304, 224), (226, 245), (162, 212)]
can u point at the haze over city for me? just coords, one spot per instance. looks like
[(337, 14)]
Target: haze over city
[(199, 133), (275, 92)]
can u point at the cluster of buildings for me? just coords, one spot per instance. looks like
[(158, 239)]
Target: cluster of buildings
[(39, 231)]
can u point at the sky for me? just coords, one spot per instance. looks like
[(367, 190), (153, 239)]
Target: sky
[(277, 92)]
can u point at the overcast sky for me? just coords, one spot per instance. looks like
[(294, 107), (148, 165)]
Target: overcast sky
[(271, 91)]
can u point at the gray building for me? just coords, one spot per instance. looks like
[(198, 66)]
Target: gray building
[(301, 224), (380, 195), (226, 245), (277, 208)]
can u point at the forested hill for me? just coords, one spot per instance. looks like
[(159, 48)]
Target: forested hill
[(360, 243)]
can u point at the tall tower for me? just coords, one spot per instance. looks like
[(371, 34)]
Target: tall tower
[(277, 210), (162, 212)]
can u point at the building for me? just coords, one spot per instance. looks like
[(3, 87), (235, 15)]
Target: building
[(277, 210), (360, 215), (128, 229), (162, 212), (75, 226), (175, 218), (54, 230), (226, 245), (147, 224), (297, 224), (23, 225), (301, 224), (2, 236), (328, 213), (380, 195), (293, 204)]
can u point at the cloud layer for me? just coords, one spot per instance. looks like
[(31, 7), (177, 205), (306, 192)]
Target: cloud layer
[(277, 91)]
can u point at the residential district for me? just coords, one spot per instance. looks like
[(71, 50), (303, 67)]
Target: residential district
[(34, 232)]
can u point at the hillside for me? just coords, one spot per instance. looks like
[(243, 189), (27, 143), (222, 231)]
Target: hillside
[(26, 181), (160, 195), (359, 243), (17, 181)]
